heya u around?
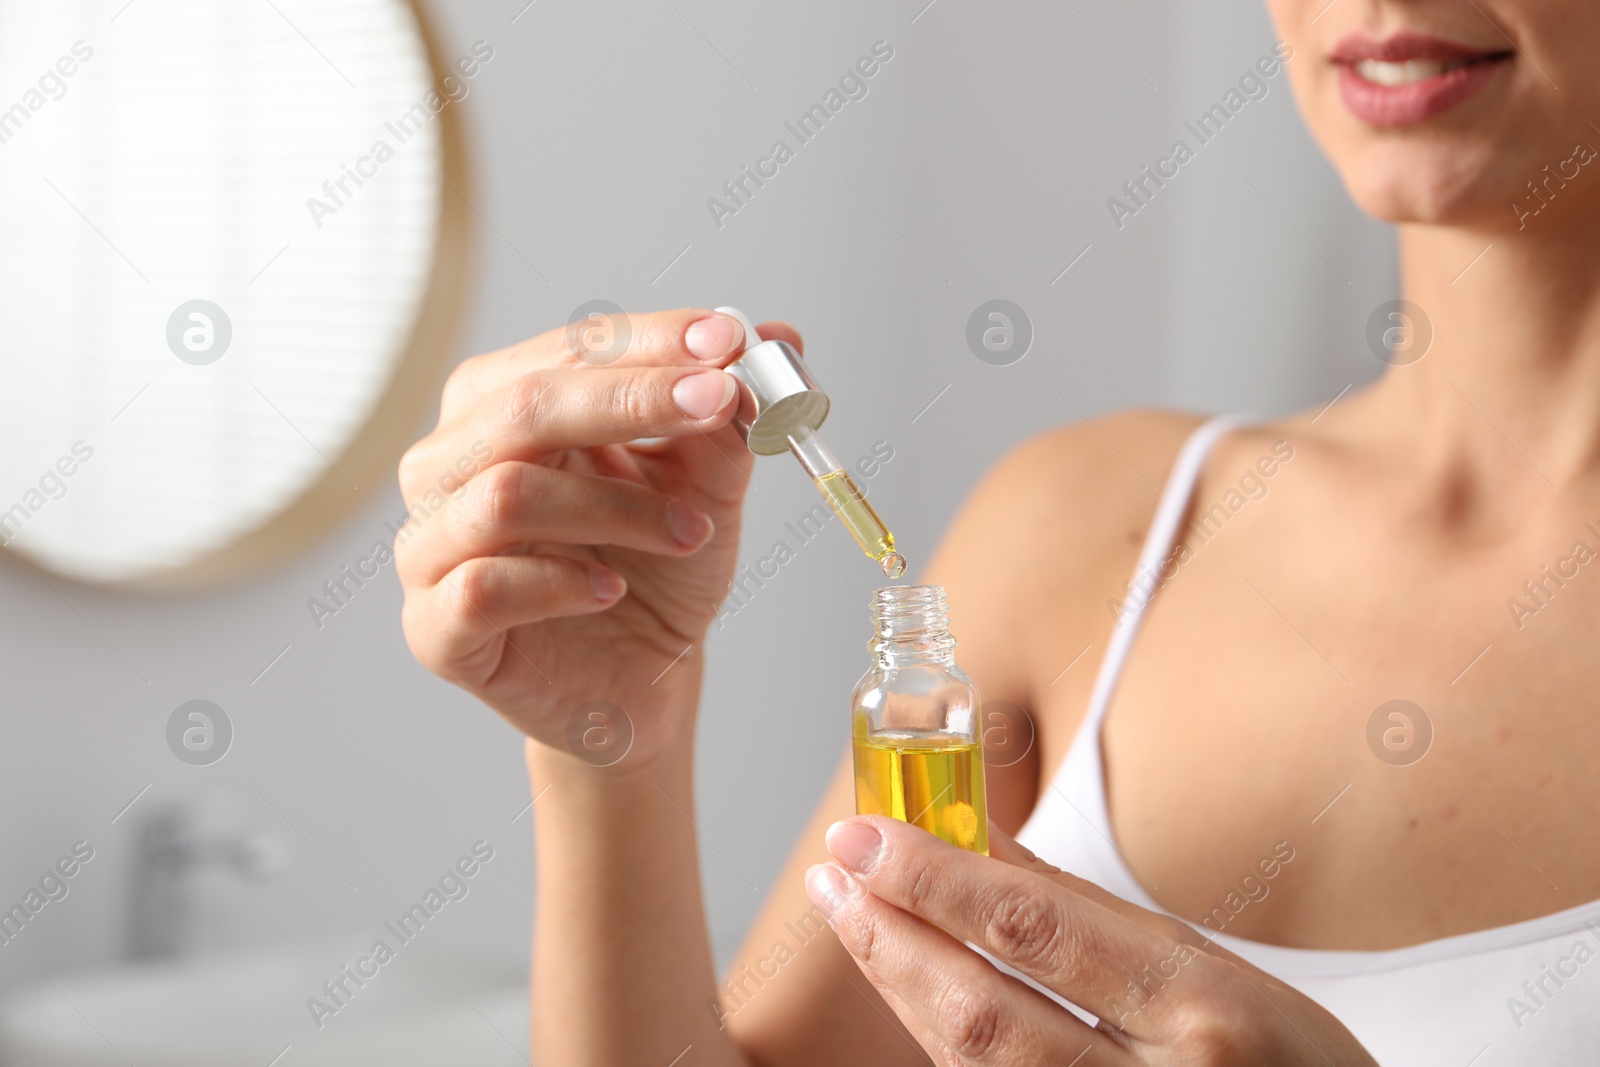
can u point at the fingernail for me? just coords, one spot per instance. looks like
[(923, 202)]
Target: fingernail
[(712, 338), (608, 584), (826, 887), (689, 525), (702, 395), (855, 844)]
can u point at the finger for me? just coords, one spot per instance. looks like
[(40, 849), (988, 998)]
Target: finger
[(682, 337), (909, 1020), (1007, 849), (1068, 943), (972, 1011), (515, 503), (1004, 848), (777, 330), (456, 628), (561, 409), (552, 410)]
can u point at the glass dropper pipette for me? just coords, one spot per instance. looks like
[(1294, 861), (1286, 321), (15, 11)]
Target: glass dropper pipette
[(847, 500), (781, 411)]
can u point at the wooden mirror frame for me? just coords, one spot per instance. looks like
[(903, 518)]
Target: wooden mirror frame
[(374, 449)]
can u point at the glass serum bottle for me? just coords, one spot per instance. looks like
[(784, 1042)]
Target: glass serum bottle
[(915, 725)]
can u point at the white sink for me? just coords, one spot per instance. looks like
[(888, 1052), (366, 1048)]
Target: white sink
[(245, 1009)]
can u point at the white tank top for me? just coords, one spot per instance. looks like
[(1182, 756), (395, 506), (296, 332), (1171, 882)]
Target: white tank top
[(1527, 993)]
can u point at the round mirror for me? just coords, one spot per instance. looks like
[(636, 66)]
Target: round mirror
[(230, 259)]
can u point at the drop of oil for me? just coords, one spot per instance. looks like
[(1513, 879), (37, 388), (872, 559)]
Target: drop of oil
[(893, 564)]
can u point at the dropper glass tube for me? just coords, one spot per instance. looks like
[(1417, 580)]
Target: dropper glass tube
[(847, 500)]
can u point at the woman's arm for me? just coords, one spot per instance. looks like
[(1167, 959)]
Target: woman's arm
[(623, 972), (622, 968), (566, 573)]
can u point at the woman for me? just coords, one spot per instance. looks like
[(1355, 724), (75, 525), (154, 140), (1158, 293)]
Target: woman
[(1363, 881)]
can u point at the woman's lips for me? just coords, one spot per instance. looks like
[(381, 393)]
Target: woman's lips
[(1407, 79)]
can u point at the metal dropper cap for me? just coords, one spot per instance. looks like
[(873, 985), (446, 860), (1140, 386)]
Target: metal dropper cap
[(779, 397)]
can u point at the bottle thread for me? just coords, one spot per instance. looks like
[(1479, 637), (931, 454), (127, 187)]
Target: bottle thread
[(911, 623)]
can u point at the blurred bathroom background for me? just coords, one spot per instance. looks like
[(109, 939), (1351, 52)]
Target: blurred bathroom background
[(976, 167)]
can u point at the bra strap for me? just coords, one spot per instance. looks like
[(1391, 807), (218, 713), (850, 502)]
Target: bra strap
[(1158, 543)]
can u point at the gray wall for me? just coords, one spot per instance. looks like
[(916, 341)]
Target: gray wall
[(977, 167)]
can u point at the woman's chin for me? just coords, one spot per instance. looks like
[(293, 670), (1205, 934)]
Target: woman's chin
[(1427, 187)]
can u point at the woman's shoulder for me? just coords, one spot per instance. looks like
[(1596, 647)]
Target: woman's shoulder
[(1057, 521), (1054, 525), (1095, 477), (1101, 477), (1043, 543)]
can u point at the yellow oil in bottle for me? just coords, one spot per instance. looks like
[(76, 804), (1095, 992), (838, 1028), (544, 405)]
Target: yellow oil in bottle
[(850, 504), (928, 783)]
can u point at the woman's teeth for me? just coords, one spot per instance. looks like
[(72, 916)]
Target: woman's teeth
[(1409, 72)]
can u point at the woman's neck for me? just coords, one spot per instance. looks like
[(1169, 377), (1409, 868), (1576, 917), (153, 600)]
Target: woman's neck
[(1506, 399)]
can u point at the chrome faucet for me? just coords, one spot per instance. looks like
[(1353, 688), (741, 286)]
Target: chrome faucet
[(171, 853)]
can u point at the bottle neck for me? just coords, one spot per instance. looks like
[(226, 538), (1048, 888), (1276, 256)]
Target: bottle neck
[(911, 624)]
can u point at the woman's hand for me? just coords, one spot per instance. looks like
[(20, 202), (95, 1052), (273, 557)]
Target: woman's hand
[(1163, 993), (552, 558)]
